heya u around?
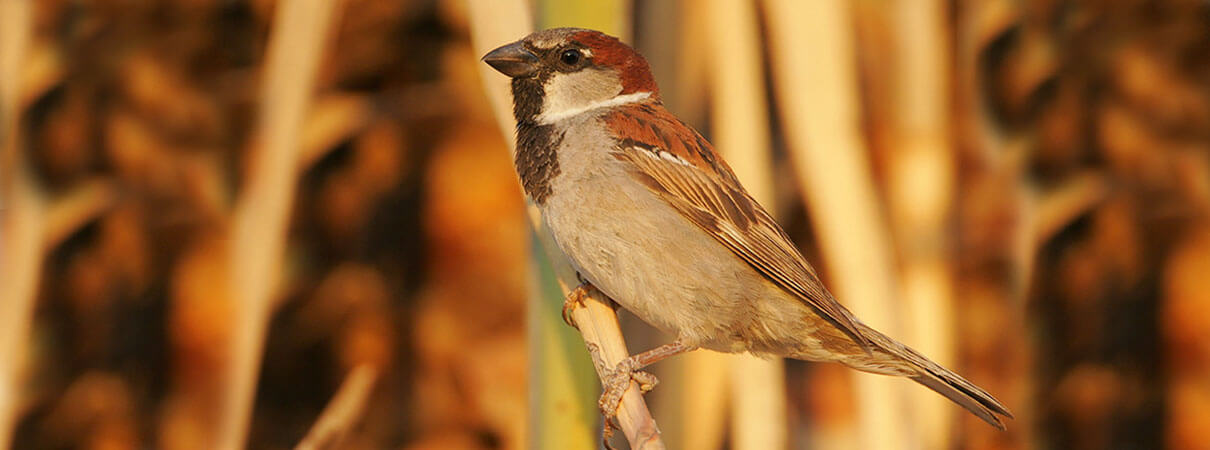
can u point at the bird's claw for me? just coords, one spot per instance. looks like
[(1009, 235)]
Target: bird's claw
[(618, 380), (575, 299)]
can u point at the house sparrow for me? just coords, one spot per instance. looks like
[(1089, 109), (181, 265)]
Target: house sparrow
[(648, 214)]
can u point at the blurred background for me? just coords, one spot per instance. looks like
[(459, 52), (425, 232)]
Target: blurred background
[(269, 224)]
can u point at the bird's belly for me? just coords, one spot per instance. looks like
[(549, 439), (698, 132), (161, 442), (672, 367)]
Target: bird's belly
[(651, 260)]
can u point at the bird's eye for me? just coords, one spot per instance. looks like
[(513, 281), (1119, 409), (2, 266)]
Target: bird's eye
[(570, 57)]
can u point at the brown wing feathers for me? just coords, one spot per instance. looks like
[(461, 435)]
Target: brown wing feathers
[(674, 161)]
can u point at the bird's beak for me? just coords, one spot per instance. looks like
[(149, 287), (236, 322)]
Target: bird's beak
[(513, 60)]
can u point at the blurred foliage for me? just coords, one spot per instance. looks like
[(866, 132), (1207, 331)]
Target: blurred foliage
[(407, 250), (1079, 237)]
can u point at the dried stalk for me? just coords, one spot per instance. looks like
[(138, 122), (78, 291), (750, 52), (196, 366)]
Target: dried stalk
[(921, 179), (704, 400), (43, 70), (740, 123), (333, 118), (261, 217), (1053, 210), (1062, 205), (493, 23), (342, 412), (21, 216), (814, 68), (610, 16), (76, 209)]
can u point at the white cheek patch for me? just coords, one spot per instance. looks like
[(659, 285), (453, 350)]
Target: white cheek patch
[(571, 94)]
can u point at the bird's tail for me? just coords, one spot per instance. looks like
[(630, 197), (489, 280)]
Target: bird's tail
[(939, 379)]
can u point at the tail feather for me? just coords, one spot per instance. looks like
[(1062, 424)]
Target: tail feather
[(965, 394), (941, 380)]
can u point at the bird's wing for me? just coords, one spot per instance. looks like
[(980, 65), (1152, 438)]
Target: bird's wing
[(676, 163)]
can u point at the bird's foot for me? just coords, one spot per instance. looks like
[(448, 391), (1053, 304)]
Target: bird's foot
[(615, 382), (618, 380), (614, 386), (575, 299)]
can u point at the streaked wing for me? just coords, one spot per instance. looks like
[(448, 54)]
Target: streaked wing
[(684, 172)]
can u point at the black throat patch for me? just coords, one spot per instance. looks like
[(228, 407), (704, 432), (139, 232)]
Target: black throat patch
[(536, 161)]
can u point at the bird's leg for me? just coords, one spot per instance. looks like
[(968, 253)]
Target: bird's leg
[(617, 380), (575, 299)]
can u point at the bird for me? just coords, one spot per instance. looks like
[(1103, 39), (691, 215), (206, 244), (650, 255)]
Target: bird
[(648, 214)]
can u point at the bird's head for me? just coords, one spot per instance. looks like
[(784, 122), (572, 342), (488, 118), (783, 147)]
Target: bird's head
[(563, 72)]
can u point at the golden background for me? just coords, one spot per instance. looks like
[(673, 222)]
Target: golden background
[(223, 219)]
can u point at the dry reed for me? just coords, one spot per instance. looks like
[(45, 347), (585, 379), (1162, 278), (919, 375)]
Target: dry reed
[(814, 71), (740, 124), (920, 185), (22, 217), (259, 224), (340, 416), (704, 401)]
